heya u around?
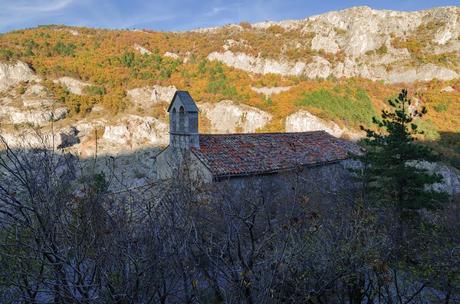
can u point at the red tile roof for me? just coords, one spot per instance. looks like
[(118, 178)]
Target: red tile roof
[(253, 154)]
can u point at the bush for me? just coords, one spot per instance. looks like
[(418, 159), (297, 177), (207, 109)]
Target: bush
[(221, 87), (357, 109), (6, 54), (428, 129), (441, 107), (65, 49), (127, 59), (94, 90)]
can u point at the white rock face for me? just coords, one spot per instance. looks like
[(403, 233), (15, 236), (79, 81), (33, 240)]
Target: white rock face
[(364, 38), (141, 49), (136, 131), (426, 72), (160, 93), (258, 65), (26, 138), (268, 91), (171, 55), (448, 89), (228, 117), (304, 121), (75, 86), (36, 90), (325, 43), (118, 134), (74, 32), (37, 117), (450, 175), (151, 95), (36, 96), (451, 30), (321, 68), (13, 73), (37, 102)]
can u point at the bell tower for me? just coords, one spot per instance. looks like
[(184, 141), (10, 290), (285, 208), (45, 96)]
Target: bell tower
[(183, 122)]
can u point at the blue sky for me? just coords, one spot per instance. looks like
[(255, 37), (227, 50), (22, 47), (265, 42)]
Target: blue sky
[(178, 15)]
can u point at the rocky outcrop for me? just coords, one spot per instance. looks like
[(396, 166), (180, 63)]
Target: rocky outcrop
[(450, 175), (142, 50), (37, 117), (13, 73), (322, 68), (136, 131), (361, 29), (304, 121), (364, 38), (228, 117), (258, 65), (74, 86), (426, 72), (269, 91), (36, 96), (150, 95), (74, 32), (325, 42), (171, 55), (67, 137), (448, 89)]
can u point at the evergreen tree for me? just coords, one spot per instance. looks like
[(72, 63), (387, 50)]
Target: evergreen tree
[(392, 172)]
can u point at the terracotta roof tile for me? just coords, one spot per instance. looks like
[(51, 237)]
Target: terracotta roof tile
[(252, 154)]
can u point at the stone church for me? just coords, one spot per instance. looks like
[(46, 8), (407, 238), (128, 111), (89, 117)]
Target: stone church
[(315, 159)]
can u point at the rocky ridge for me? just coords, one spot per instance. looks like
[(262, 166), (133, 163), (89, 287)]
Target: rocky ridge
[(366, 39)]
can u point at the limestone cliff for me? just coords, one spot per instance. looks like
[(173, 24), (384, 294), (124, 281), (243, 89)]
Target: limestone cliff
[(358, 42)]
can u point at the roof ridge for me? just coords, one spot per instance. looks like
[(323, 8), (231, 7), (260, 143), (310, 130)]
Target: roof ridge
[(264, 133)]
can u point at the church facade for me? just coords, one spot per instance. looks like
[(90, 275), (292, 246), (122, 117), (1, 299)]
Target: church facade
[(316, 160)]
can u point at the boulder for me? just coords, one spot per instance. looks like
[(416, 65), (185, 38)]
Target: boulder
[(448, 89), (74, 86), (141, 49), (14, 73), (171, 55), (37, 103), (67, 137), (268, 91)]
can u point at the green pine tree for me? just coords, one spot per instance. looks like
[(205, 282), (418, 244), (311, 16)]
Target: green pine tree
[(390, 174)]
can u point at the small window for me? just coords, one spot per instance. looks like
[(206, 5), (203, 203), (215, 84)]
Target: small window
[(181, 119), (174, 120)]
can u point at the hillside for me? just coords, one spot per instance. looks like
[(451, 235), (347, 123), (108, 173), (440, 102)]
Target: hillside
[(333, 71)]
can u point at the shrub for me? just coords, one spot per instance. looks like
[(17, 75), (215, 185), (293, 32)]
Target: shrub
[(65, 49), (6, 54), (127, 59), (246, 25), (357, 109), (428, 129), (275, 29), (94, 90), (441, 107), (221, 87)]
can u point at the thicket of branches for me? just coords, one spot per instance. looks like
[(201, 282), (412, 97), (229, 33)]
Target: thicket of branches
[(65, 238)]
